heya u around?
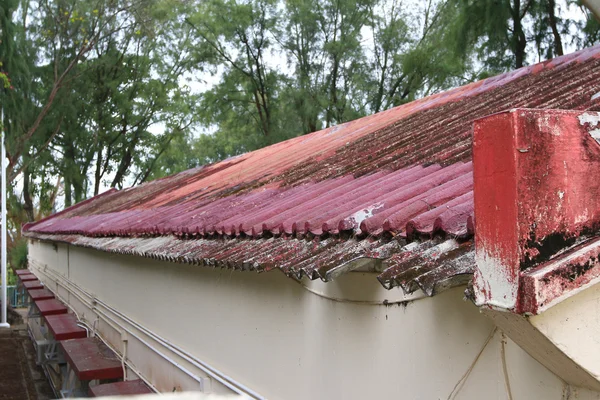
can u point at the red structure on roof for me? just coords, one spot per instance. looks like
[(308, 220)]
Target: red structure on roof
[(538, 207), (395, 187)]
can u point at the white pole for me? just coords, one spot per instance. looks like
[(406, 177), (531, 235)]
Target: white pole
[(4, 323)]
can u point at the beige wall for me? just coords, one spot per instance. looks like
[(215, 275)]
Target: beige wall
[(284, 341), (573, 326)]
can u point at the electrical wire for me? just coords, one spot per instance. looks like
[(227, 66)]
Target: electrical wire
[(459, 385)]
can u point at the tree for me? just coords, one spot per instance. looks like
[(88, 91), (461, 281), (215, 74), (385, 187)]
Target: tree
[(502, 32), (89, 79), (236, 36), (298, 35)]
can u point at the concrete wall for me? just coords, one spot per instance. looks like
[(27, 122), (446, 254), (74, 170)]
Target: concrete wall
[(287, 340), (573, 326)]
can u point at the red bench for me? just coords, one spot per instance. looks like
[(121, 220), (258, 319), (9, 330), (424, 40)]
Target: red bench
[(19, 272), (120, 389), (91, 359), (33, 285), (50, 307), (64, 327), (40, 294), (27, 277)]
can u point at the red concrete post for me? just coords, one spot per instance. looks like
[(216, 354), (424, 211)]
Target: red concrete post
[(536, 189)]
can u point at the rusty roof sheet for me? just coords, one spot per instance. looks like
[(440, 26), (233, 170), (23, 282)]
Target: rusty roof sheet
[(378, 188), (431, 265)]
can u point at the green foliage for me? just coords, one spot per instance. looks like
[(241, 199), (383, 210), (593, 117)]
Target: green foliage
[(504, 34), (18, 254), (346, 59)]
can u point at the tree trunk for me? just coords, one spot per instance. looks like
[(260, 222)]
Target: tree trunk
[(28, 206), (98, 173), (68, 197), (123, 167), (551, 8), (78, 188), (333, 91), (69, 171), (519, 39)]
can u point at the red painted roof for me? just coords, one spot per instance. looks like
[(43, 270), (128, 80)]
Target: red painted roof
[(336, 195)]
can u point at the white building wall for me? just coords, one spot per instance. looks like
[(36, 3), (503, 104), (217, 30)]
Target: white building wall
[(286, 341)]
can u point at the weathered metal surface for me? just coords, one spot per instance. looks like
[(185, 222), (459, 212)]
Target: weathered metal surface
[(537, 192), (126, 388), (545, 285), (33, 285), (40, 294), (369, 204), (429, 266), (64, 327), (50, 307), (403, 173), (91, 359), (314, 258)]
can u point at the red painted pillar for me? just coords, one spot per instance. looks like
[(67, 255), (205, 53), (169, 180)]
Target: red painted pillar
[(537, 188)]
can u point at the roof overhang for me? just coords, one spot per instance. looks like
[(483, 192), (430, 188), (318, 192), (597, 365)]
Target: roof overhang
[(428, 267)]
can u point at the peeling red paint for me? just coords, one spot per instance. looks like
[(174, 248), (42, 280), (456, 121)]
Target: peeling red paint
[(331, 197), (536, 192), (550, 282)]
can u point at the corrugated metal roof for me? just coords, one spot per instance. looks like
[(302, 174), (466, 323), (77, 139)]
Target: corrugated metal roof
[(431, 265), (373, 188), (370, 204)]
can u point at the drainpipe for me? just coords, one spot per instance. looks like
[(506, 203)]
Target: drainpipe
[(4, 322), (593, 6)]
